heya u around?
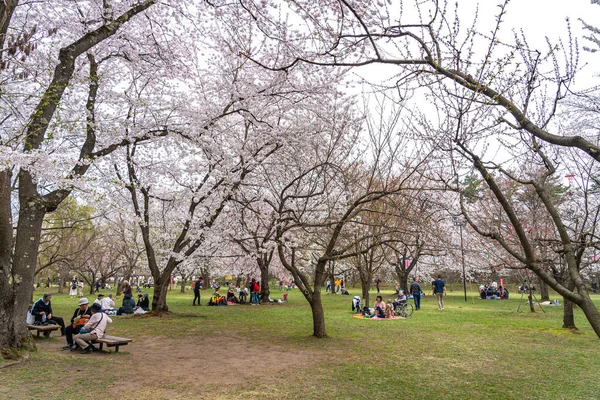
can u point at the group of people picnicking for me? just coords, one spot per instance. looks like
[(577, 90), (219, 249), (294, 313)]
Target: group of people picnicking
[(493, 291), (388, 309), (88, 322), (337, 287), (235, 294)]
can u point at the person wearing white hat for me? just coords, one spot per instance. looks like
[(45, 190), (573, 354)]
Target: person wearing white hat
[(80, 317), (94, 329)]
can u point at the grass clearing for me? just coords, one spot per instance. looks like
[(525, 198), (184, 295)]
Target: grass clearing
[(470, 350)]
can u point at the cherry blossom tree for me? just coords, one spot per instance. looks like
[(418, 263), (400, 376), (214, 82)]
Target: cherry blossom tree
[(256, 112), (46, 150), (481, 85), (256, 232)]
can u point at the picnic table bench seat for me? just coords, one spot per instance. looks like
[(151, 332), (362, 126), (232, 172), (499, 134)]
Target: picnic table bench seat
[(112, 341), (45, 329)]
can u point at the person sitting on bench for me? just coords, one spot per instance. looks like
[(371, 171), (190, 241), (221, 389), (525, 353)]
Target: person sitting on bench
[(80, 318), (42, 311), (94, 329)]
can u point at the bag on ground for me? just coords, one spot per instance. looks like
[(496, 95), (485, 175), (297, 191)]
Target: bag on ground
[(30, 317)]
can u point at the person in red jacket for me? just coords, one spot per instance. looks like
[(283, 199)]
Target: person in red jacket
[(254, 291)]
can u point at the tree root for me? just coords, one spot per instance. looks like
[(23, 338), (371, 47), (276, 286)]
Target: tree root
[(572, 328), (18, 356)]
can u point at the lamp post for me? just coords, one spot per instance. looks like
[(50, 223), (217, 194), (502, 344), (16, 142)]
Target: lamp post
[(460, 222)]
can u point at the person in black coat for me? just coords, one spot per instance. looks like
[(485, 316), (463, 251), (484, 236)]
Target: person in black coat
[(197, 286), (80, 317), (43, 308), (143, 302)]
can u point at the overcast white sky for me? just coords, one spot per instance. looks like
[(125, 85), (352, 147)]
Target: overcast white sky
[(538, 19)]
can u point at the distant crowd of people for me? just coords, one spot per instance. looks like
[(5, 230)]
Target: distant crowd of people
[(493, 291)]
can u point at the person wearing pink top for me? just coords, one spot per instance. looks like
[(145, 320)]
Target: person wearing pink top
[(94, 329), (379, 307)]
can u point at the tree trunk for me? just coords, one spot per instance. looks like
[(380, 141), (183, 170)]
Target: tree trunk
[(568, 316), (403, 279), (591, 313), (530, 298), (365, 292), (318, 315), (365, 283), (568, 306), (17, 280), (183, 281), (205, 274), (264, 284), (159, 299), (544, 295)]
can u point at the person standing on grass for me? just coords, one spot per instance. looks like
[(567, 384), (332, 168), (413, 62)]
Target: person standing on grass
[(197, 286), (254, 292), (73, 288), (377, 282), (415, 290), (127, 288), (439, 290)]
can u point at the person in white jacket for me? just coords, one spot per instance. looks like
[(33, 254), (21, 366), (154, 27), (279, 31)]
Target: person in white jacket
[(108, 304), (95, 329)]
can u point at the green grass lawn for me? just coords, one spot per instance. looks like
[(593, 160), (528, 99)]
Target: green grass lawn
[(471, 350)]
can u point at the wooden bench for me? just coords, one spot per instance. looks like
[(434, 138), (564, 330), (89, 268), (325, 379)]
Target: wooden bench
[(112, 341), (45, 329)]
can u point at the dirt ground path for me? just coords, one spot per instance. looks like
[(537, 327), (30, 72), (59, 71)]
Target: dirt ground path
[(194, 367)]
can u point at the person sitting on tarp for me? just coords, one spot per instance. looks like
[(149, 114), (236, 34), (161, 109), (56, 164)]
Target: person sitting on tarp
[(231, 296), (482, 292), (143, 303), (128, 305), (217, 300), (379, 307)]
